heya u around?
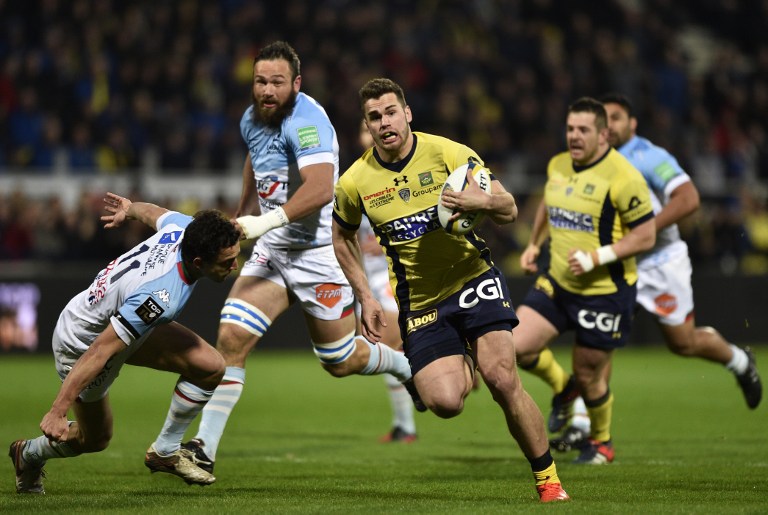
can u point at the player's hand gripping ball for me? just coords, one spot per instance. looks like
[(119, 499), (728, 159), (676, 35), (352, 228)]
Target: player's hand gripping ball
[(457, 181)]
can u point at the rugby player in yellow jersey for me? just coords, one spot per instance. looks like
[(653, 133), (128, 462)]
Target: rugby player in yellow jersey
[(454, 306), (597, 212)]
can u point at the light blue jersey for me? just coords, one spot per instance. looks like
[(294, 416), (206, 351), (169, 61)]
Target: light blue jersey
[(305, 137), (663, 174), (135, 292)]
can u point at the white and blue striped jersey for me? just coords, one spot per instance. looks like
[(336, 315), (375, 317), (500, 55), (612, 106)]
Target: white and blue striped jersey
[(663, 174), (137, 291), (305, 137)]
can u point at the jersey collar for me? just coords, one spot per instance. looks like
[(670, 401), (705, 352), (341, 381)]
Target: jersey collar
[(397, 166), (630, 145), (183, 271), (579, 168)]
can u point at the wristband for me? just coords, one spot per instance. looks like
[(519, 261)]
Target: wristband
[(585, 260), (256, 226), (606, 254)]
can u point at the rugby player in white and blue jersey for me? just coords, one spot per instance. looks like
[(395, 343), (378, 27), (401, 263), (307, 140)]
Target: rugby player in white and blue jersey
[(664, 273), (127, 316), (288, 177)]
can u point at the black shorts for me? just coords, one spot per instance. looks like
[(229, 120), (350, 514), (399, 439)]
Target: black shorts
[(451, 326), (600, 321)]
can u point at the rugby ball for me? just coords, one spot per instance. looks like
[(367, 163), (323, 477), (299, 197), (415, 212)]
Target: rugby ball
[(457, 181)]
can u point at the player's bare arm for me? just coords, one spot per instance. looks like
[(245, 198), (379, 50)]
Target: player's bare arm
[(120, 209), (249, 199), (539, 234), (683, 201), (54, 424), (316, 191), (348, 253)]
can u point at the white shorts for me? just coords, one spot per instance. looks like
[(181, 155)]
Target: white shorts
[(665, 290), (313, 276), (65, 359)]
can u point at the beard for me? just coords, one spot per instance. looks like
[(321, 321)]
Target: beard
[(273, 117)]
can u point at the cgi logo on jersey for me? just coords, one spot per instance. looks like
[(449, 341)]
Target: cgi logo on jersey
[(603, 322), (413, 226), (489, 289)]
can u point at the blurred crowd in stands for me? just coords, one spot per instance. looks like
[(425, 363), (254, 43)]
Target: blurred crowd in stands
[(100, 87)]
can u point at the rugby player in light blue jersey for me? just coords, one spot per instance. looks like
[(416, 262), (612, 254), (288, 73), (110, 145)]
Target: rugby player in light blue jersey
[(288, 179), (127, 316)]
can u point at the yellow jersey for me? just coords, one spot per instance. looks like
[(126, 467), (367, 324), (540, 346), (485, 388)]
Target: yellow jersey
[(426, 264), (592, 206)]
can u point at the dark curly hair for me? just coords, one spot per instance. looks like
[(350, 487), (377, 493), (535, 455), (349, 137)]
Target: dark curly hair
[(280, 50), (208, 234)]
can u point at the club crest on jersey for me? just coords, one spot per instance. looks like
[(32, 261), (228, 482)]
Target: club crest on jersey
[(149, 311), (170, 237), (405, 194), (164, 296)]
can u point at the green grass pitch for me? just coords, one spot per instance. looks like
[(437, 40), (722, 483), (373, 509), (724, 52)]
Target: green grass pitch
[(301, 441)]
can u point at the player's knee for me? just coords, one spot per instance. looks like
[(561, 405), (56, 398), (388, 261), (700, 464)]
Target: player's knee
[(337, 370), (681, 348), (240, 326), (96, 442), (334, 356), (504, 384), (447, 406), (683, 344), (212, 372)]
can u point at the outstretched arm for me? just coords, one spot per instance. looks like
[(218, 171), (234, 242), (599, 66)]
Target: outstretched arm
[(121, 209)]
